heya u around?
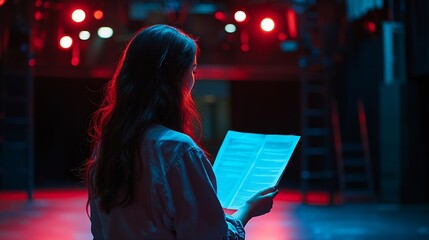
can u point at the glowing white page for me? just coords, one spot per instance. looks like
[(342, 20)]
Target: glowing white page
[(249, 162)]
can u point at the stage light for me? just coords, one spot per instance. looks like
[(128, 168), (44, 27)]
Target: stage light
[(220, 16), (38, 43), (2, 2), (282, 36), (66, 42), (240, 16), (267, 24), (244, 47), (98, 14), (84, 35), (38, 15), (370, 26), (74, 61), (38, 3), (230, 28), (78, 15), (291, 20), (105, 32), (31, 62), (244, 38)]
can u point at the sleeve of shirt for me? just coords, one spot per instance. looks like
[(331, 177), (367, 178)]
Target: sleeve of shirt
[(196, 211)]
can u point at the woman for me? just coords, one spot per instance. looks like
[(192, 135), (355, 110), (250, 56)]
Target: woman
[(148, 177)]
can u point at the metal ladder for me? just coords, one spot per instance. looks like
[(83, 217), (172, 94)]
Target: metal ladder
[(317, 162), (317, 167), (353, 160)]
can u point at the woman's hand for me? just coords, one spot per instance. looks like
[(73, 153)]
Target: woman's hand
[(259, 204), (262, 202)]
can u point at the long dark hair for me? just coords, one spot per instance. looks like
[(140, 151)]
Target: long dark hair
[(148, 87)]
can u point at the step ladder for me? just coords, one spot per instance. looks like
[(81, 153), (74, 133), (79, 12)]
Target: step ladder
[(353, 160), (317, 166), (317, 163)]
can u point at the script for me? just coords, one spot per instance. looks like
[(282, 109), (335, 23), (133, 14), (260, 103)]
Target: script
[(249, 162)]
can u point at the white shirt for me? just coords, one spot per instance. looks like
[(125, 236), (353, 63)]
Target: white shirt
[(175, 197)]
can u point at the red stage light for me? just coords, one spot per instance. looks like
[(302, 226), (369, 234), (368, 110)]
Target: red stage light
[(38, 43), (370, 26), (220, 16), (38, 3), (267, 24), (38, 15), (31, 62), (98, 14), (282, 36), (75, 61), (244, 47), (291, 20), (78, 15), (66, 42), (244, 37), (240, 16), (2, 2)]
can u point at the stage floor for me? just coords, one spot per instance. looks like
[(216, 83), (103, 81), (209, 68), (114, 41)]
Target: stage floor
[(60, 214)]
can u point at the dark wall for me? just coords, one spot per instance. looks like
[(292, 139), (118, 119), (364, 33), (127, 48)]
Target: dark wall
[(417, 24), (62, 113), (416, 164), (362, 78)]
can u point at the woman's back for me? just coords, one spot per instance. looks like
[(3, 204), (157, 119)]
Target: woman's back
[(175, 194)]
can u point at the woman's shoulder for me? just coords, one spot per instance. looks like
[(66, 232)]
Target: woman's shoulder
[(166, 138), (170, 148)]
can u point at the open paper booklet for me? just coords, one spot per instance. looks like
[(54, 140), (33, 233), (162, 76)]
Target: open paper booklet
[(249, 162)]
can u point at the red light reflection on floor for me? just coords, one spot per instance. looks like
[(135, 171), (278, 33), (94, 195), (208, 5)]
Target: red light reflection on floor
[(60, 214), (53, 214), (272, 226)]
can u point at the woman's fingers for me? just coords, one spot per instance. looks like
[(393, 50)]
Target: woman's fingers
[(262, 201), (267, 190), (272, 194)]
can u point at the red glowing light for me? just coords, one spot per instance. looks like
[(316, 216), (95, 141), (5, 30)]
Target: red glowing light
[(267, 24), (38, 3), (240, 16), (282, 36), (38, 43), (220, 16), (291, 21), (370, 26), (78, 15), (38, 15), (75, 61), (2, 2), (244, 37), (32, 62), (66, 42), (98, 14)]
